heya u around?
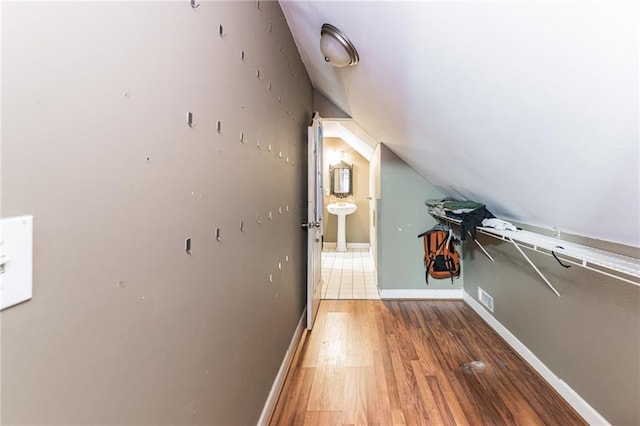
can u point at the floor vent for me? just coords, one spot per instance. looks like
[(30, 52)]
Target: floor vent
[(485, 299)]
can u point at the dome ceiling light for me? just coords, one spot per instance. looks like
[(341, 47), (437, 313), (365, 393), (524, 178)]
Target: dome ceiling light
[(336, 47)]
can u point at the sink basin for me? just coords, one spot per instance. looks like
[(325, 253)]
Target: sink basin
[(342, 210)]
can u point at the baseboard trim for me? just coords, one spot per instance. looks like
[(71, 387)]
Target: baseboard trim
[(445, 293), (358, 245), (278, 382), (349, 245), (580, 405)]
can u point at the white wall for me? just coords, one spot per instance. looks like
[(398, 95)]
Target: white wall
[(530, 107)]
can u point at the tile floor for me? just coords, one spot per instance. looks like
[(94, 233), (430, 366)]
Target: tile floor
[(348, 275)]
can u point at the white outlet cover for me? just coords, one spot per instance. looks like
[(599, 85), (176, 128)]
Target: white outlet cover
[(16, 251)]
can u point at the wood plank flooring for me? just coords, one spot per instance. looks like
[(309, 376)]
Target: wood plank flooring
[(370, 362)]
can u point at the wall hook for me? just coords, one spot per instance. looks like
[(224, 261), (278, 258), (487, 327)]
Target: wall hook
[(242, 137), (219, 126), (258, 219), (194, 4), (190, 119), (221, 32), (242, 226), (218, 237), (243, 56)]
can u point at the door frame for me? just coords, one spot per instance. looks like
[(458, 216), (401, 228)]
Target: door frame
[(314, 224)]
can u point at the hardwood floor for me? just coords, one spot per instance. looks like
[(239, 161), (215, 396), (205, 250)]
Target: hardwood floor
[(370, 362)]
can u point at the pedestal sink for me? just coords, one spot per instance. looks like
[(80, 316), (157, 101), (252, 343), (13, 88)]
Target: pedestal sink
[(342, 210)]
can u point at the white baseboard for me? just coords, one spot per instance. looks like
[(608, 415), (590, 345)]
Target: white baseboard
[(358, 245), (446, 293), (580, 405), (349, 245), (278, 382)]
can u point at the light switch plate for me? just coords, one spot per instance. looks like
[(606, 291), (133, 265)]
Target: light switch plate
[(16, 252)]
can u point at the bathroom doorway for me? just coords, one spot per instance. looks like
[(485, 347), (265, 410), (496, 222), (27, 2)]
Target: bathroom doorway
[(348, 270)]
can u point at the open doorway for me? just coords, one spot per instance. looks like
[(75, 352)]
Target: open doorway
[(348, 270)]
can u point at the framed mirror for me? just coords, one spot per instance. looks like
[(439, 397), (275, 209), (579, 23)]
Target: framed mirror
[(341, 176)]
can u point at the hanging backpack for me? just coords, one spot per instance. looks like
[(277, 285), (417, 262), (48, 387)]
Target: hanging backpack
[(440, 255)]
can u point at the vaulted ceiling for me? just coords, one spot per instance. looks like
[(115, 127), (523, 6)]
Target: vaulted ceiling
[(528, 106)]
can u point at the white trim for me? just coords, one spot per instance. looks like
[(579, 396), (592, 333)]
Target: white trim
[(580, 405), (278, 382), (358, 245), (349, 245), (445, 293), (570, 252)]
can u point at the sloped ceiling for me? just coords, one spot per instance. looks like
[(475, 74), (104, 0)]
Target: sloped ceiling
[(528, 106)]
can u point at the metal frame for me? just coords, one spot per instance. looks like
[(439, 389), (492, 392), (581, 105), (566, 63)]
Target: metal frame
[(573, 253)]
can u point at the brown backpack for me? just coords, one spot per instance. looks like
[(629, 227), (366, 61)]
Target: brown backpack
[(440, 255)]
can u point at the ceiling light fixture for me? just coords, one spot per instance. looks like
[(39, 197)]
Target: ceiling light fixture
[(336, 47)]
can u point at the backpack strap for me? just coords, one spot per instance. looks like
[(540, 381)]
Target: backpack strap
[(426, 272), (444, 240), (427, 245), (427, 262)]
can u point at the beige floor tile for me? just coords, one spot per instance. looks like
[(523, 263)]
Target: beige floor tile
[(348, 275)]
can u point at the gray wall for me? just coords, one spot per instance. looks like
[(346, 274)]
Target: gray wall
[(589, 337), (326, 108), (357, 223), (125, 327), (402, 215)]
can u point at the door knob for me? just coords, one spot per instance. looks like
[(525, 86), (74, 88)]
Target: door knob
[(308, 225)]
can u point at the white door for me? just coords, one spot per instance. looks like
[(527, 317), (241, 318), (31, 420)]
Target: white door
[(314, 221)]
